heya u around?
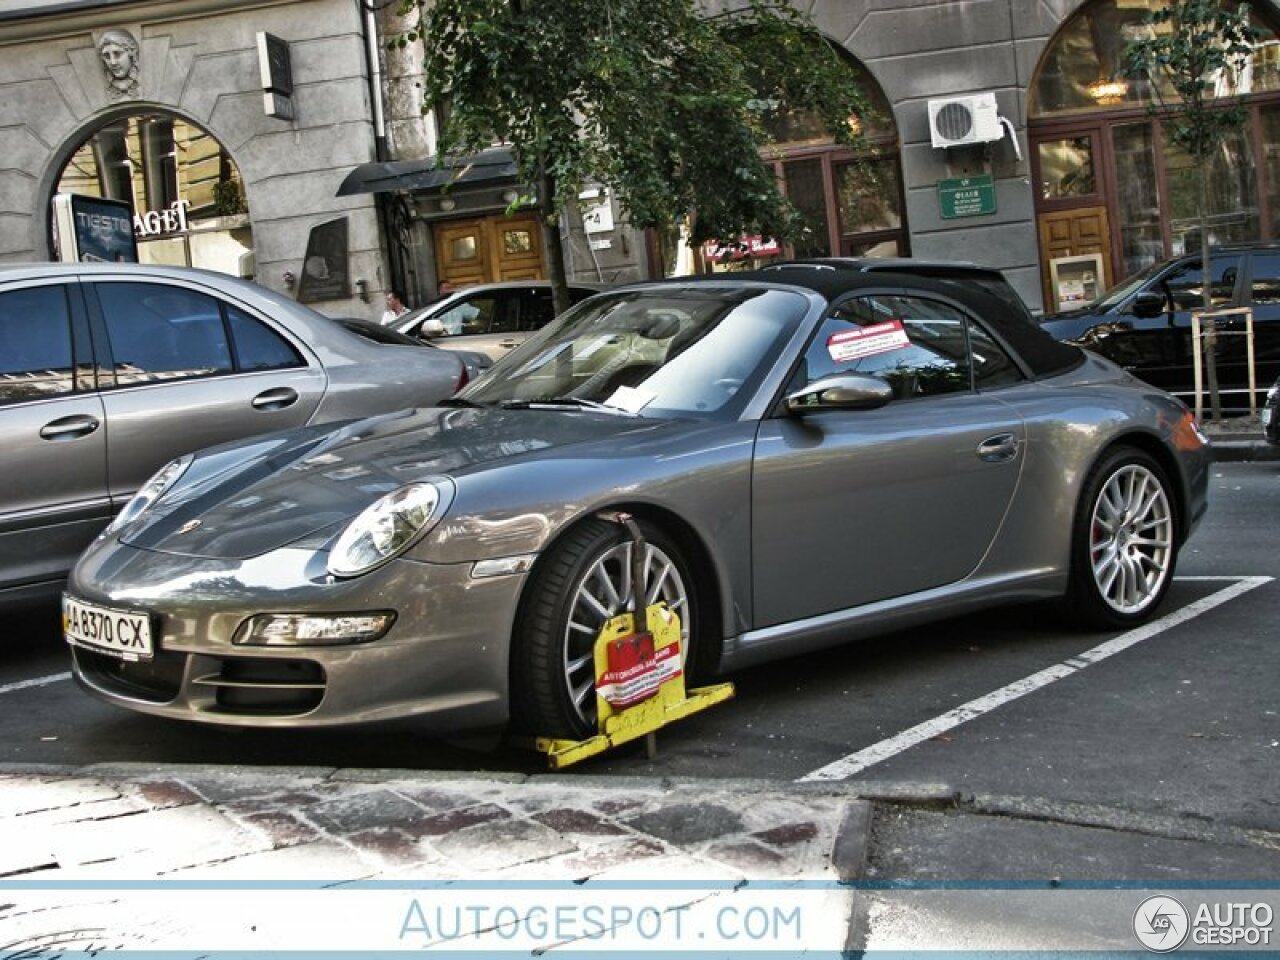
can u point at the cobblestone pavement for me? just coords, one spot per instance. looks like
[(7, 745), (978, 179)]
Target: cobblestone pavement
[(210, 831)]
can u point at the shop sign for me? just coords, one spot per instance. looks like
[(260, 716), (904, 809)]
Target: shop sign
[(159, 223), (93, 228), (756, 246), (967, 196)]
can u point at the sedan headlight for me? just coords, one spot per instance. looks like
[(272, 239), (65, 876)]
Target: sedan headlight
[(150, 492), (385, 529)]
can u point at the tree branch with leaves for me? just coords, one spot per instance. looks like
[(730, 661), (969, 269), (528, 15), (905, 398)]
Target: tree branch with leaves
[(654, 99), (1190, 58)]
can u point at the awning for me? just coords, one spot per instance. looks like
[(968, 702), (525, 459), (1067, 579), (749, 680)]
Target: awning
[(489, 167)]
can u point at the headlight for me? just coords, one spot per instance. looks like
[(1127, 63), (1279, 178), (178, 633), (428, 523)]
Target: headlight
[(1274, 391), (150, 492), (384, 529)]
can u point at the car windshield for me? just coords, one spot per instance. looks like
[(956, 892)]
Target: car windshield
[(1119, 293), (698, 351)]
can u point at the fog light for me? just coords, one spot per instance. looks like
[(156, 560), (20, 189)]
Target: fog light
[(312, 630)]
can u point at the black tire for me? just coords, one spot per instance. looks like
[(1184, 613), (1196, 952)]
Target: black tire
[(1124, 542), (553, 675)]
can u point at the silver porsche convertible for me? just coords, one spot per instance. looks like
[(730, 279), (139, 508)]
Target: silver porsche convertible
[(810, 454)]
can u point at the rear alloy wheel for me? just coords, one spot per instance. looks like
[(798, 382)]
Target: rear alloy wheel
[(1124, 543), (583, 582)]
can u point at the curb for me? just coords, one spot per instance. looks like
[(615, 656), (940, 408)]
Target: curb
[(1243, 451)]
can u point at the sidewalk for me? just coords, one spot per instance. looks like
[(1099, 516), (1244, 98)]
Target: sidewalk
[(1239, 439), (76, 843)]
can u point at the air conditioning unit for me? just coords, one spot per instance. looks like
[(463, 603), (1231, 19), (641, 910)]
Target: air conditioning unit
[(959, 121)]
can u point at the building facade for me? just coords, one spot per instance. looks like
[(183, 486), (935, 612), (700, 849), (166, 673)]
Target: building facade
[(1005, 134)]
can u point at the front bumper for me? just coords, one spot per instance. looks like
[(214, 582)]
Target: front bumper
[(445, 659)]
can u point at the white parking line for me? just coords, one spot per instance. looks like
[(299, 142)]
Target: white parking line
[(36, 682), (855, 763)]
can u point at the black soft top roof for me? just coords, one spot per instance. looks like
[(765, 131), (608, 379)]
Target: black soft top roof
[(972, 285)]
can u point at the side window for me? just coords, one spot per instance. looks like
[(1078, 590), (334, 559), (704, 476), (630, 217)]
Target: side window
[(1186, 284), (470, 316), (161, 332), (506, 312), (35, 344), (992, 366), (536, 310), (1266, 278), (258, 347), (916, 345)]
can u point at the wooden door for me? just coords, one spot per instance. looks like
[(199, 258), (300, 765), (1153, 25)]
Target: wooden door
[(462, 252), (488, 249), (1070, 233)]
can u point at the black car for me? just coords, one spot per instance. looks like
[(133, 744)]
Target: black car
[(1144, 323)]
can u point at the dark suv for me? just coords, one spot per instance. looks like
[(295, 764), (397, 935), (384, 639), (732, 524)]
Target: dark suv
[(1144, 323)]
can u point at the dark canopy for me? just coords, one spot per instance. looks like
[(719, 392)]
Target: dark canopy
[(490, 166)]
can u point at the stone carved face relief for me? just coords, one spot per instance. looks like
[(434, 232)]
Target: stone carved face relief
[(119, 52)]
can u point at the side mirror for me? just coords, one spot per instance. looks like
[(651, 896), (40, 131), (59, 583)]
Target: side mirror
[(841, 391), (1148, 304)]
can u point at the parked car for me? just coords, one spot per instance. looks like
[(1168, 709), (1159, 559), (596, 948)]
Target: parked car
[(1271, 413), (109, 371), (810, 455), (473, 361), (492, 318), (1144, 323)]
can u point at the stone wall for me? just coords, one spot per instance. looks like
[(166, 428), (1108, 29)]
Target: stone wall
[(198, 60)]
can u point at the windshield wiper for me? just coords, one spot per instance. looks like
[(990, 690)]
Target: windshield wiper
[(460, 402), (580, 402)]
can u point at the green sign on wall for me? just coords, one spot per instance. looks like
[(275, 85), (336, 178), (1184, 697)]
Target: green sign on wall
[(967, 196)]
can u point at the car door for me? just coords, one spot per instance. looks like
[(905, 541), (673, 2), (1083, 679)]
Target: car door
[(854, 506), (53, 478), (1167, 358), (190, 370), (1264, 285)]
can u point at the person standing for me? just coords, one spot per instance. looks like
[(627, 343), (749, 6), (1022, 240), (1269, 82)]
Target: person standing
[(395, 308)]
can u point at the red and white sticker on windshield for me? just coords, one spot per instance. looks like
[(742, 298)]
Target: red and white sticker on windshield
[(867, 341)]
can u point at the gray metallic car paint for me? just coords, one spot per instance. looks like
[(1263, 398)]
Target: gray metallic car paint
[(56, 495), (519, 479)]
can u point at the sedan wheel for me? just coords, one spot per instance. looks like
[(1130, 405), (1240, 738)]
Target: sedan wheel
[(582, 583), (1125, 541)]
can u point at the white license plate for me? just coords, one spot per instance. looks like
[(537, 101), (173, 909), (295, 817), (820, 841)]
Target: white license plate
[(119, 633)]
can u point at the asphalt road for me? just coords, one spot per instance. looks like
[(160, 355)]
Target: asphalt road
[(1179, 719)]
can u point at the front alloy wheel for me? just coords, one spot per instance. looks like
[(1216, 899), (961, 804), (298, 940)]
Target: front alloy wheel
[(584, 582), (1125, 541)]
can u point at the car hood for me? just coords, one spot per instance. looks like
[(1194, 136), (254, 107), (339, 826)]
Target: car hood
[(243, 500)]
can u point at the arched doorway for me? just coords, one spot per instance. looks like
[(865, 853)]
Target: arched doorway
[(187, 196), (1106, 180), (852, 201)]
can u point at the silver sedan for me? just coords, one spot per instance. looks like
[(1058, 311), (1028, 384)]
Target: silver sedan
[(107, 371), (812, 455)]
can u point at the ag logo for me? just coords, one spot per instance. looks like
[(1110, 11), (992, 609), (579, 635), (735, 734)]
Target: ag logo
[(1161, 924)]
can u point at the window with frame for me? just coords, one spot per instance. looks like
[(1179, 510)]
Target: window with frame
[(1185, 284), (35, 344), (257, 346), (160, 332), (920, 347)]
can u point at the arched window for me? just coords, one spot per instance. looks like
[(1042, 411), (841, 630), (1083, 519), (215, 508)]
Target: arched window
[(1107, 181), (852, 201), (185, 190)]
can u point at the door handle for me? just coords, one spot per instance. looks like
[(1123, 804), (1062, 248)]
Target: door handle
[(276, 399), (508, 343), (69, 428), (998, 449)]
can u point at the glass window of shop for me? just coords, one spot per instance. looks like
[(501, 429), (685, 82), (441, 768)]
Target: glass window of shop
[(1097, 151), (186, 192), (851, 201)]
